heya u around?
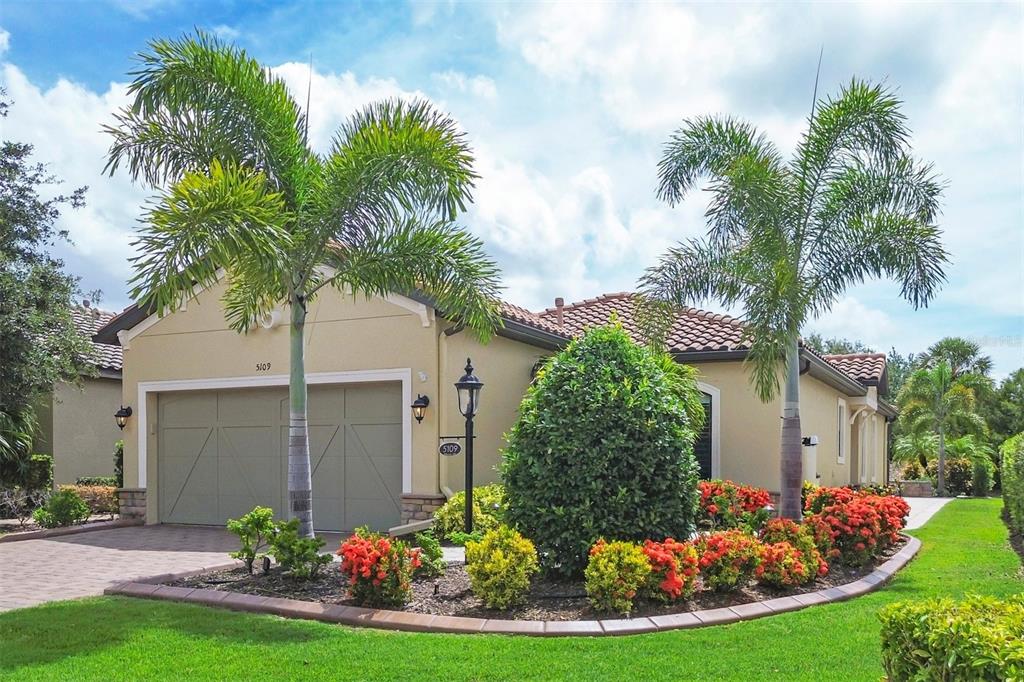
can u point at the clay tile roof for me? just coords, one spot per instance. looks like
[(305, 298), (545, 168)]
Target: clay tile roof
[(522, 315), (866, 368), (692, 330), (89, 321)]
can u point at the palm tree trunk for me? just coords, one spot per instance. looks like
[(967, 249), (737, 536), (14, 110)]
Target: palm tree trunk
[(300, 479), (791, 456), (942, 462)]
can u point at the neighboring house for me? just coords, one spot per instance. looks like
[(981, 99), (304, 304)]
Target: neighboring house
[(76, 421), (208, 437)]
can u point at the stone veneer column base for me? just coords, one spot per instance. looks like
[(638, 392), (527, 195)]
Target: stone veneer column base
[(420, 506), (131, 503)]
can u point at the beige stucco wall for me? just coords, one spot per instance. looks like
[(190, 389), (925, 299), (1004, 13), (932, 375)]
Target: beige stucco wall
[(83, 430)]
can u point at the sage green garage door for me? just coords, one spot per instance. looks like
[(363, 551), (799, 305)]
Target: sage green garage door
[(220, 453)]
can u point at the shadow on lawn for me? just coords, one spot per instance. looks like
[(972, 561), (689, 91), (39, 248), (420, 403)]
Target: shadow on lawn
[(50, 633)]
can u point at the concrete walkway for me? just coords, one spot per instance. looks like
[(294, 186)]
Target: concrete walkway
[(923, 508)]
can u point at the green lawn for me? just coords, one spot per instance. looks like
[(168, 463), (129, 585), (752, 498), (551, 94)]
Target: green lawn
[(965, 549)]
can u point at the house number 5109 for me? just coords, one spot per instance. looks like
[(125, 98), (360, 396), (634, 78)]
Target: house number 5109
[(262, 366)]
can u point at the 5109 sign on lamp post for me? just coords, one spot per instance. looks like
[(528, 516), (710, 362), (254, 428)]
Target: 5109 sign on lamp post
[(468, 388)]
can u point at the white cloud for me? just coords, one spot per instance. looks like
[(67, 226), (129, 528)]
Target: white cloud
[(63, 123), (225, 32), (5, 41), (852, 319), (480, 86)]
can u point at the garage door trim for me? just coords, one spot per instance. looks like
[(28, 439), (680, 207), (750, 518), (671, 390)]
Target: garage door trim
[(354, 377)]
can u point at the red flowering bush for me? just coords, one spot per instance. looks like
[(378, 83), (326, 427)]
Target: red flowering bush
[(673, 569), (726, 505), (854, 528), (728, 559), (802, 538), (379, 568), (816, 499), (783, 565), (892, 512)]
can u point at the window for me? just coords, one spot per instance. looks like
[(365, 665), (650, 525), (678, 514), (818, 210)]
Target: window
[(841, 443), (702, 447)]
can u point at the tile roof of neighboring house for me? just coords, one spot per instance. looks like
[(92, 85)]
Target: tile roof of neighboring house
[(693, 330), (866, 368), (524, 316), (91, 320)]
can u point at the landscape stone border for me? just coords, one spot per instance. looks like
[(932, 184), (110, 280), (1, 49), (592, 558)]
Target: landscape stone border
[(69, 530), (151, 588)]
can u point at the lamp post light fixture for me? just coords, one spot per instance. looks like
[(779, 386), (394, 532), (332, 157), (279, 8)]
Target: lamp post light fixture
[(468, 388), (419, 407), (121, 416)]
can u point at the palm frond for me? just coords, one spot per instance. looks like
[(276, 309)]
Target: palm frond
[(442, 261), (205, 222)]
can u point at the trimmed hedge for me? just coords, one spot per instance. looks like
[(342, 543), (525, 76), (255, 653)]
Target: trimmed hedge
[(980, 638), (101, 499), (603, 447), (1012, 452)]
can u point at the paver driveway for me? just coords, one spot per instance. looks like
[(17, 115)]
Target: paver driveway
[(37, 571)]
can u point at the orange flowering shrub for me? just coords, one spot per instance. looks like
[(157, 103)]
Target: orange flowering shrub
[(783, 565), (724, 504), (854, 528), (802, 538), (673, 569), (892, 512), (817, 498), (728, 559), (379, 568)]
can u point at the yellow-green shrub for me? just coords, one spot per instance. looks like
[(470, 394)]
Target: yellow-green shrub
[(488, 503), (980, 638), (614, 574), (1012, 471), (500, 567)]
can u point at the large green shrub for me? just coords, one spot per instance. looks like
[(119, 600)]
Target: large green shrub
[(959, 474), (33, 473), (602, 447), (980, 638), (500, 567), (64, 508), (488, 501), (1012, 452)]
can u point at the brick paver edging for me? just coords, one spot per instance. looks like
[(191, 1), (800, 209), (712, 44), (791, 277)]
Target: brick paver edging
[(70, 530), (150, 588)]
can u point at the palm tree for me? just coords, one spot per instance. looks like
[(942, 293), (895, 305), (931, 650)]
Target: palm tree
[(244, 194), (785, 240), (933, 401), (962, 355), (919, 446)]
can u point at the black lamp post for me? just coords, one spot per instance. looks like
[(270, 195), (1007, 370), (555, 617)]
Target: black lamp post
[(468, 388)]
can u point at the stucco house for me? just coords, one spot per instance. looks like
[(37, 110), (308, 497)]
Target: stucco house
[(207, 439), (76, 420)]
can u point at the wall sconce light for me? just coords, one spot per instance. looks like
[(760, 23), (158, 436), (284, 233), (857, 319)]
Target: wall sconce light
[(121, 416), (419, 407)]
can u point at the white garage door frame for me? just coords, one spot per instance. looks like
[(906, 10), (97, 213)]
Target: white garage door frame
[(403, 375)]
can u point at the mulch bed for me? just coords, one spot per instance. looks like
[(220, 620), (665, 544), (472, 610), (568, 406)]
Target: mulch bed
[(450, 594)]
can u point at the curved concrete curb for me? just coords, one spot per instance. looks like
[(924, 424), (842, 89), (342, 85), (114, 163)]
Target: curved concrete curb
[(71, 530), (150, 588)]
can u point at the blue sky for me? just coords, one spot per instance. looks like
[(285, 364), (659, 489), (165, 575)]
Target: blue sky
[(567, 107)]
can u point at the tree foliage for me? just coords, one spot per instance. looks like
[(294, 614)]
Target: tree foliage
[(603, 447), (834, 345), (39, 343)]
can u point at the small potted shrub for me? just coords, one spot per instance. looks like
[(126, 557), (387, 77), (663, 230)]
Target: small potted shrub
[(728, 559), (500, 567), (615, 573), (379, 568)]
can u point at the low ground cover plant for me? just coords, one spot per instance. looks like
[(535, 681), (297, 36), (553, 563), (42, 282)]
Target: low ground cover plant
[(1012, 478), (724, 505), (379, 568), (615, 574), (254, 531), (298, 556), (728, 559), (500, 567), (63, 508), (674, 568), (979, 638), (564, 487), (488, 512)]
